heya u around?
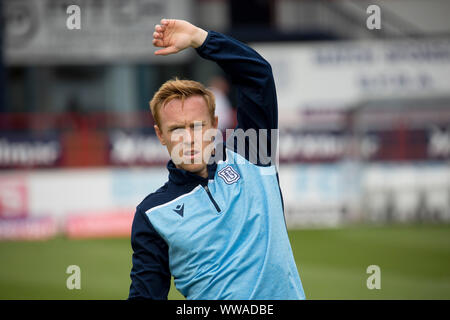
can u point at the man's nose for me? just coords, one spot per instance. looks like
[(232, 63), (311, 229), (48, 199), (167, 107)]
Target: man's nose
[(188, 136)]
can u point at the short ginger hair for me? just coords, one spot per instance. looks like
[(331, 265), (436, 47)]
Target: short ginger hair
[(180, 89)]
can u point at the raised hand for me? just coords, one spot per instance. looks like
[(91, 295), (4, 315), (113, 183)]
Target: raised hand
[(176, 35)]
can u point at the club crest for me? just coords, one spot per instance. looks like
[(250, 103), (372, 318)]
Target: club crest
[(229, 175)]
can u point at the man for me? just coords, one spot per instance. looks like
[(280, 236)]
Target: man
[(216, 226)]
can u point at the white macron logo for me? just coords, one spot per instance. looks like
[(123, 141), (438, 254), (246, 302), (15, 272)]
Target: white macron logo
[(229, 175)]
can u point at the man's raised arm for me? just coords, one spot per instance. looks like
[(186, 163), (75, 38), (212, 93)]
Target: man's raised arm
[(249, 72)]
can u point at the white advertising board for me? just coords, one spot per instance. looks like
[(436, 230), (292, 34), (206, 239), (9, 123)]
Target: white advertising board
[(327, 194), (333, 75)]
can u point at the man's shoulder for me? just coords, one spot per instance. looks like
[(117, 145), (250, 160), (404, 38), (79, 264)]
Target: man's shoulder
[(156, 198)]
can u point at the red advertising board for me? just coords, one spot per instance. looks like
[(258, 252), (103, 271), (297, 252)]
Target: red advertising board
[(41, 228), (100, 224)]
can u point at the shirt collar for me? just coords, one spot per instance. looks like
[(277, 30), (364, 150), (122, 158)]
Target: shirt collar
[(181, 176)]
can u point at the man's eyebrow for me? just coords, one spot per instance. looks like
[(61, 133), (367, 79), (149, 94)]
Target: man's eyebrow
[(175, 125)]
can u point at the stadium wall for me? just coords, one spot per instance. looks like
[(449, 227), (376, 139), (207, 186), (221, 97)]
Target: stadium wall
[(101, 202)]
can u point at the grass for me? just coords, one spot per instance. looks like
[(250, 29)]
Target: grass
[(414, 262)]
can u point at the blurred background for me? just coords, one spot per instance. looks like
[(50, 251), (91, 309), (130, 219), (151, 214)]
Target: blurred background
[(364, 145)]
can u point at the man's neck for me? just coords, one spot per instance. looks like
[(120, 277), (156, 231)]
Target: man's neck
[(202, 173)]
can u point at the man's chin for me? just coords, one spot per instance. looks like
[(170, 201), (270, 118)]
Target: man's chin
[(196, 168)]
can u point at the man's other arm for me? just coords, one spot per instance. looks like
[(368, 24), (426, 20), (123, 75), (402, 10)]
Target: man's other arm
[(150, 274), (257, 107)]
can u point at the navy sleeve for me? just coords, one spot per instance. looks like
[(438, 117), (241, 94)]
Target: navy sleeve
[(150, 274), (252, 76)]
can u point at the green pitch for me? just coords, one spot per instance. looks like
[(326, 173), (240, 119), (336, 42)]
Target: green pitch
[(414, 263)]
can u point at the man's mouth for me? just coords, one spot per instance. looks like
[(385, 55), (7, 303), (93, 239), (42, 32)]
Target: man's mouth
[(190, 153), (191, 156)]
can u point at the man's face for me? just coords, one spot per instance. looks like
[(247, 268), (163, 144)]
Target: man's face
[(186, 129)]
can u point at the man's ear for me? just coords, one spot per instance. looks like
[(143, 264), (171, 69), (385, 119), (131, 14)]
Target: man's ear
[(159, 135), (216, 122)]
